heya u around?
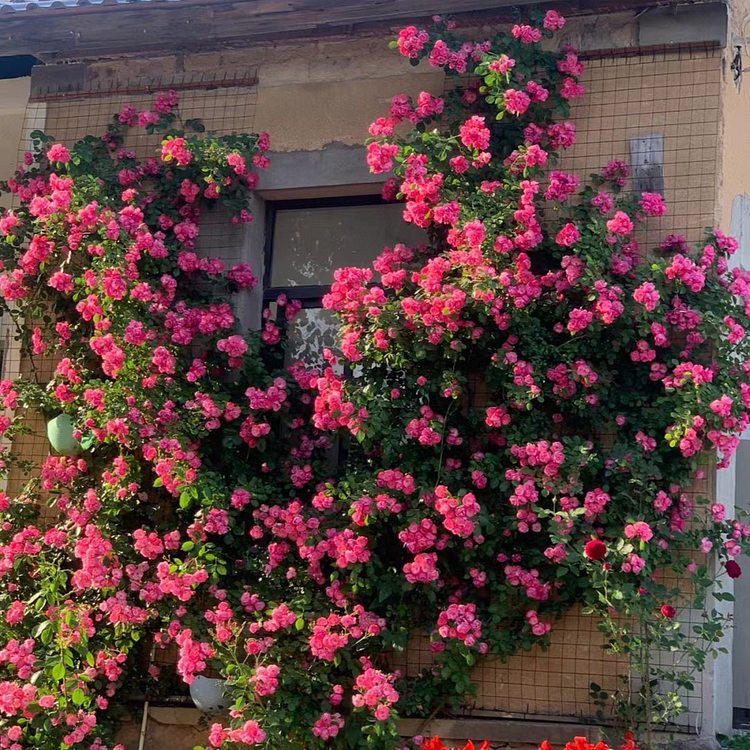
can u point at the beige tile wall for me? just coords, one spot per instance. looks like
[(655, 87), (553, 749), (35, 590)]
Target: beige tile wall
[(675, 95), (672, 94)]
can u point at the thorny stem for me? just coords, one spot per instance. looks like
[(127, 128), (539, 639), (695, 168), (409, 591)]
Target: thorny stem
[(646, 676)]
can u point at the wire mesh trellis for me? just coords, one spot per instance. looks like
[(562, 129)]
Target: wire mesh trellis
[(671, 93), (674, 94), (224, 102)]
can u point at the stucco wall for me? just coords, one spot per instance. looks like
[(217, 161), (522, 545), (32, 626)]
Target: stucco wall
[(735, 143), (733, 214), (14, 94)]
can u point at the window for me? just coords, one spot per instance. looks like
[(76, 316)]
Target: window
[(307, 240), (10, 363), (10, 347)]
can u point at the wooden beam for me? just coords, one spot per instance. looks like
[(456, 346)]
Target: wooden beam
[(513, 731), (95, 31), (112, 29)]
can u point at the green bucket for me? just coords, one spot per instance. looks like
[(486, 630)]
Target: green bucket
[(60, 436)]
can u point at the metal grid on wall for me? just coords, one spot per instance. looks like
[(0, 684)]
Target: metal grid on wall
[(554, 684), (539, 684), (225, 104), (689, 618), (672, 94)]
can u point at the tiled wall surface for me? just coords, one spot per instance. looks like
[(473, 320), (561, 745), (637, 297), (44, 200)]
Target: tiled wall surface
[(672, 94), (675, 95)]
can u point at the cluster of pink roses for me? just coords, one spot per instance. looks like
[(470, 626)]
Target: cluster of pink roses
[(515, 378), (578, 353)]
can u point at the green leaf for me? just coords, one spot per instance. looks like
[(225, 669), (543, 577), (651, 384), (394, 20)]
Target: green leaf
[(40, 628)]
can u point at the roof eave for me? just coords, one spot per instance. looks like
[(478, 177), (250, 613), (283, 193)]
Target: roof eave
[(110, 28)]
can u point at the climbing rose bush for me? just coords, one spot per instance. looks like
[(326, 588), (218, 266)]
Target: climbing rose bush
[(547, 389), (533, 395), (128, 328)]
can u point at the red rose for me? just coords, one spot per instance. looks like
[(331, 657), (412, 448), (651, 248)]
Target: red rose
[(595, 549), (668, 611), (733, 569), (433, 744)]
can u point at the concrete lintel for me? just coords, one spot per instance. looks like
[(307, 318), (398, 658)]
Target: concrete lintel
[(334, 166), (46, 78), (681, 24)]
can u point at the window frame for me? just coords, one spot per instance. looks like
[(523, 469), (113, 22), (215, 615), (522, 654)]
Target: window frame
[(310, 295)]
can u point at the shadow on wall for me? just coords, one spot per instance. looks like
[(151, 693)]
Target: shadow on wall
[(15, 82), (167, 729), (740, 229)]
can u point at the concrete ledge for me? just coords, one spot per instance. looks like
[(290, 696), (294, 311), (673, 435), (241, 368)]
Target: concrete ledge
[(175, 715), (531, 732), (511, 731), (520, 733), (333, 166), (46, 78), (696, 743), (684, 24)]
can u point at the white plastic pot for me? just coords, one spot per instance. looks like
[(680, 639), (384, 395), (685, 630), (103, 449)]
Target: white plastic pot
[(209, 695)]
